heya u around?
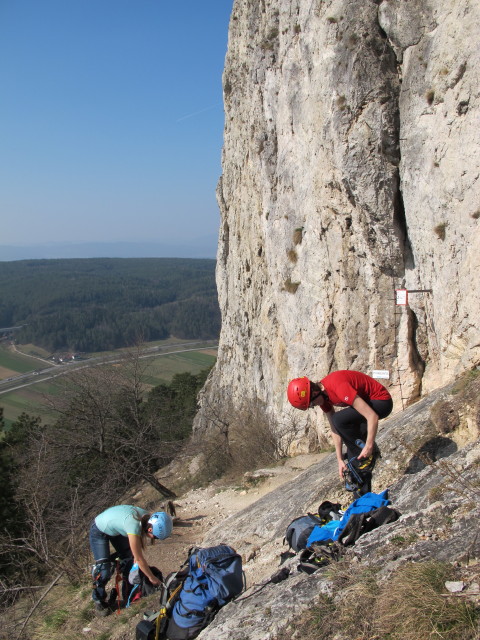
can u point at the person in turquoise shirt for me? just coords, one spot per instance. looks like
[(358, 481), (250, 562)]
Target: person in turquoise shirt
[(127, 528)]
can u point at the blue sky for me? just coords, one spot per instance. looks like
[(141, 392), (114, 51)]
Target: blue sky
[(111, 119)]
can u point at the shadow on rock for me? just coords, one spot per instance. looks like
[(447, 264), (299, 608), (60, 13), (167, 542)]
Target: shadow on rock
[(431, 451)]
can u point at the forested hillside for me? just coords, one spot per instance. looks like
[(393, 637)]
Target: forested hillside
[(102, 304)]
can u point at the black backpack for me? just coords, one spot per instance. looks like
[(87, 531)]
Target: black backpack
[(141, 585), (360, 523), (298, 531)]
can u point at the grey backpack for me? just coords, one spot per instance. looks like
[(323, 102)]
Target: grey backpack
[(298, 531)]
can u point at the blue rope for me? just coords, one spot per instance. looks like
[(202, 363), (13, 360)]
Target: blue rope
[(130, 596)]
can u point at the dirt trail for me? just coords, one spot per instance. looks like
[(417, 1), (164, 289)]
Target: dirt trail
[(200, 509)]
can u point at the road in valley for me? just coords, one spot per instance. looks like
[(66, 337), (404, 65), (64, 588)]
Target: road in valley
[(34, 377)]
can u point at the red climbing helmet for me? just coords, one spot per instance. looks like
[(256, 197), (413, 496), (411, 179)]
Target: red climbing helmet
[(298, 393)]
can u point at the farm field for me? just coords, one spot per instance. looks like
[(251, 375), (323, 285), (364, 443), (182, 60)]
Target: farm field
[(31, 400), (12, 363), (159, 368), (162, 368)]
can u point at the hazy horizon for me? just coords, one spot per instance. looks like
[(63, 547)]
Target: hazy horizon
[(204, 247)]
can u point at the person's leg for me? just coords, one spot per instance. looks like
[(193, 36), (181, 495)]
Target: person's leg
[(102, 569), (125, 557), (352, 426)]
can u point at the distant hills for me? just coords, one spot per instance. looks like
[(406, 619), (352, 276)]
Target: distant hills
[(205, 247), (100, 304)]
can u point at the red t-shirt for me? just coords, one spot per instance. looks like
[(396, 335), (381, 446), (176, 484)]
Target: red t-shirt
[(342, 387)]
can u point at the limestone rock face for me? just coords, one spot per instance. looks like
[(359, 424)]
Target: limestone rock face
[(439, 113), (350, 169)]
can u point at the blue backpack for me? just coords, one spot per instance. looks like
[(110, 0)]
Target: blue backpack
[(214, 577), (333, 530)]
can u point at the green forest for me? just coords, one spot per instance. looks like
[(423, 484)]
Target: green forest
[(100, 304)]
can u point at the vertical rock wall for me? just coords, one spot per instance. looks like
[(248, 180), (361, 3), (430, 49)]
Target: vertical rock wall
[(437, 48), (350, 168)]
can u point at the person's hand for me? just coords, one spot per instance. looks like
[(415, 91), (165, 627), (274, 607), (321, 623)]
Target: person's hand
[(366, 452), (155, 581), (341, 468)]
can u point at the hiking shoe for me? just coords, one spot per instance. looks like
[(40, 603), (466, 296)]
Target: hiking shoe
[(102, 609)]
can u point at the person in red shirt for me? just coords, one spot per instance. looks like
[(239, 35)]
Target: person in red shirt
[(366, 401)]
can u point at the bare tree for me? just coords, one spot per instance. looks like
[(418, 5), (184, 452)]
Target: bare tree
[(104, 432), (236, 439)]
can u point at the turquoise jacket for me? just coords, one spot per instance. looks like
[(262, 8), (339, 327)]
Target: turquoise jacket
[(122, 520)]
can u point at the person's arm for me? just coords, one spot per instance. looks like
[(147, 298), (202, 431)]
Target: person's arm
[(337, 441), (372, 426), (136, 547)]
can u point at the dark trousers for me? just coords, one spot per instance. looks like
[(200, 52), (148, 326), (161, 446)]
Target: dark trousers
[(351, 425), (104, 565)]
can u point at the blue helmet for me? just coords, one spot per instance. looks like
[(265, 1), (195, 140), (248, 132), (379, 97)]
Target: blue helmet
[(162, 524)]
